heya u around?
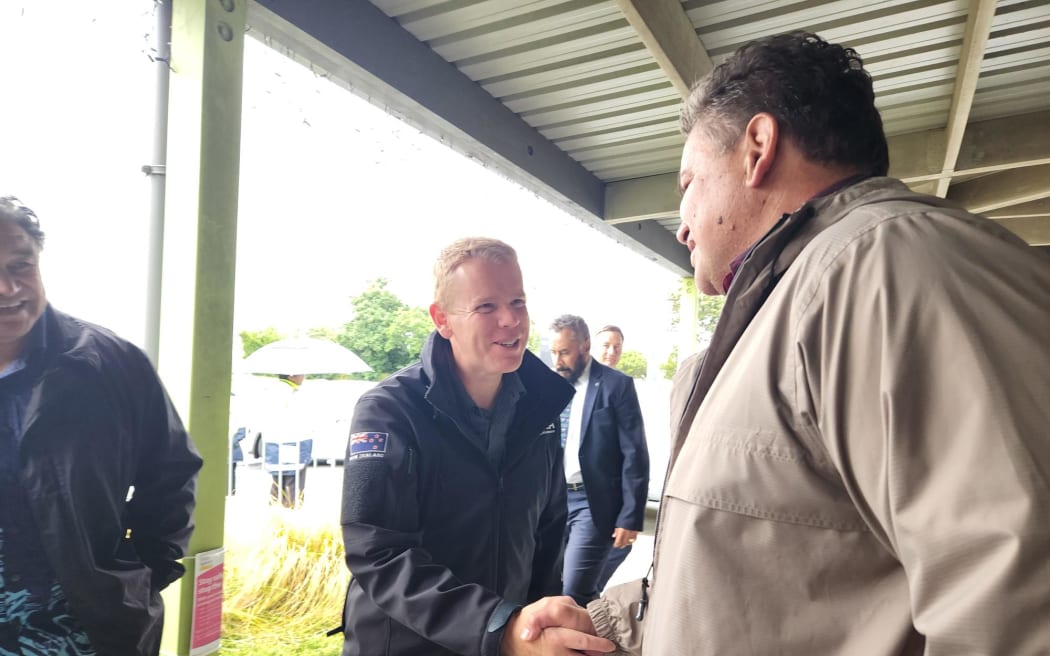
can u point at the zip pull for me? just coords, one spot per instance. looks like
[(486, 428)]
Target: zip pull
[(640, 615)]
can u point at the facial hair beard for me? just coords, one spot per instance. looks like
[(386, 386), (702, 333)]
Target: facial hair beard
[(577, 370)]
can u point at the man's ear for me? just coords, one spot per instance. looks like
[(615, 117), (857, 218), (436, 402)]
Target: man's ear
[(760, 141), (440, 319)]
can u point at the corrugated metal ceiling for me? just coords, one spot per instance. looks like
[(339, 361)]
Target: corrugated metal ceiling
[(578, 72), (587, 76)]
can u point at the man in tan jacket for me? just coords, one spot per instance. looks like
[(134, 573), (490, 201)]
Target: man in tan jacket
[(861, 461)]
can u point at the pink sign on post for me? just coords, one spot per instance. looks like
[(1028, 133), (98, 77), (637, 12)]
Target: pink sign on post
[(206, 630)]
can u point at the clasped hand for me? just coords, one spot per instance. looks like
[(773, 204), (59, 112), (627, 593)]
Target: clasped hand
[(553, 625)]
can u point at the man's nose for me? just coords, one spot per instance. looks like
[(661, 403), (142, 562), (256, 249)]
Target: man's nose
[(682, 234), (507, 316), (8, 284)]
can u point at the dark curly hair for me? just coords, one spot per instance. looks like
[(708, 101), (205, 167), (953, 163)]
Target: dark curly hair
[(819, 93), (12, 209)]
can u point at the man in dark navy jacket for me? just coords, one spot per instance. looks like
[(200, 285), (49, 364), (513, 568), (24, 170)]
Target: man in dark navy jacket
[(606, 459), (84, 420), (453, 495)]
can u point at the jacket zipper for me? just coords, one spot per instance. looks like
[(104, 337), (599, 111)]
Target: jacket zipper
[(499, 532)]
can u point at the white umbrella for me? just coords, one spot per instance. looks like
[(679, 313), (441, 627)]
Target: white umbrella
[(303, 355)]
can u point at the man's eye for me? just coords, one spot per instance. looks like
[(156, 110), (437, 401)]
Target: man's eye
[(518, 303), (485, 308)]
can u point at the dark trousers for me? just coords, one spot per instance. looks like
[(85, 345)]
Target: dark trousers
[(287, 487), (586, 551), (615, 559)]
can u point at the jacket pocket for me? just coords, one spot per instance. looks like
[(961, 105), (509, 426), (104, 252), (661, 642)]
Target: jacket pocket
[(764, 475)]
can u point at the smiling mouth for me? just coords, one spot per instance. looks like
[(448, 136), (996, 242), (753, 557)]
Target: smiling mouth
[(509, 345), (11, 308)]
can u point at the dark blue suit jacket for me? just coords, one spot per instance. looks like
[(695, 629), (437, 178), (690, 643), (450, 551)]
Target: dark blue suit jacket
[(614, 458)]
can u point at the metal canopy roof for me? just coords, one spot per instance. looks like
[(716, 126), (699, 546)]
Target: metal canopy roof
[(578, 99)]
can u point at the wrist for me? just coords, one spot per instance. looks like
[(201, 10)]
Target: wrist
[(505, 636)]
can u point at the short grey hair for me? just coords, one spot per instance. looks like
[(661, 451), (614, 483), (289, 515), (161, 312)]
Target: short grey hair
[(574, 323)]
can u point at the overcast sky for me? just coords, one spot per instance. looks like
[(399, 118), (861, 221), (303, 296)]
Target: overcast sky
[(334, 192)]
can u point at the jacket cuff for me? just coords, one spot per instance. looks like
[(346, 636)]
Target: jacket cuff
[(599, 612), (493, 638), (613, 620)]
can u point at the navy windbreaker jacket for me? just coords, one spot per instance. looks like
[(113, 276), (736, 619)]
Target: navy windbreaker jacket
[(441, 543), (98, 423)]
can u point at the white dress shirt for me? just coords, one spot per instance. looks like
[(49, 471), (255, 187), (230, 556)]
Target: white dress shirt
[(572, 437)]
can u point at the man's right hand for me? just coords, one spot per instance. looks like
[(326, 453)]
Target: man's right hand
[(553, 625)]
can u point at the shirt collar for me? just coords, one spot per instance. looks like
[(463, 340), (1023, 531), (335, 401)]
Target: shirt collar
[(36, 343)]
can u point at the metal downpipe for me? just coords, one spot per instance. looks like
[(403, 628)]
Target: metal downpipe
[(156, 173)]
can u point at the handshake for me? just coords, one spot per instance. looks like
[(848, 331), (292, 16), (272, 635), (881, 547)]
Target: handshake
[(553, 625)]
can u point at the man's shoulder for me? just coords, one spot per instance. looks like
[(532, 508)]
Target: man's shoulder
[(905, 233), (77, 337), (885, 211), (608, 375), (409, 385)]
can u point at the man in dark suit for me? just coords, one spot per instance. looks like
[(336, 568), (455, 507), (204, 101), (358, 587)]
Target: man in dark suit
[(606, 459)]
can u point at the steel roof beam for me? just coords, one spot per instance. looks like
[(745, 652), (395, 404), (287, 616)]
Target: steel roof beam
[(1036, 209), (978, 29), (642, 199), (993, 192), (1033, 230), (667, 32), (989, 146)]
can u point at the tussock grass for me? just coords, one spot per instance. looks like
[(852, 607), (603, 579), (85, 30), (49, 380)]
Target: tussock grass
[(285, 580)]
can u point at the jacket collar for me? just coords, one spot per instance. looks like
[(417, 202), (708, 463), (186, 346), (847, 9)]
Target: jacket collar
[(594, 380), (70, 350), (69, 340), (546, 393), (766, 263)]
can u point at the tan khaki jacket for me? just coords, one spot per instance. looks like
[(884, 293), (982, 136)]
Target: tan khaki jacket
[(861, 463)]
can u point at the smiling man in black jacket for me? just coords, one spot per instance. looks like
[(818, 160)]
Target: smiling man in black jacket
[(453, 494), (83, 421)]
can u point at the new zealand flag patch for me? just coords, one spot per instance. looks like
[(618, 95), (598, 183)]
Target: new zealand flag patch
[(368, 445)]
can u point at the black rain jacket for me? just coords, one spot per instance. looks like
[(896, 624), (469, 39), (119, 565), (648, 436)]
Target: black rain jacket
[(98, 423), (442, 544)]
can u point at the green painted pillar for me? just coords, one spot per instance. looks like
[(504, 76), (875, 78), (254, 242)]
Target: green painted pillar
[(200, 229)]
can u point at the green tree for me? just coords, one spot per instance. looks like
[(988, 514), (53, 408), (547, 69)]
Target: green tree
[(534, 338), (708, 312), (385, 332), (633, 364), (253, 340), (670, 366)]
